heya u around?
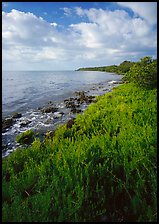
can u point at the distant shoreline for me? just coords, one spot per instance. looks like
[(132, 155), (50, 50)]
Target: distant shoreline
[(118, 69)]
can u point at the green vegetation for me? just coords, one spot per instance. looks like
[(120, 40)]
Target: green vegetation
[(120, 69), (26, 137), (143, 73), (103, 168)]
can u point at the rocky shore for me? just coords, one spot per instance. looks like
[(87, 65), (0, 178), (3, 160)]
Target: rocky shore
[(45, 120)]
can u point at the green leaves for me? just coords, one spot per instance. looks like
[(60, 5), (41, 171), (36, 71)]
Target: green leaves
[(105, 165), (143, 73), (26, 137)]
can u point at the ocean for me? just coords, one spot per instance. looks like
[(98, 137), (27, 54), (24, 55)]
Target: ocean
[(26, 92)]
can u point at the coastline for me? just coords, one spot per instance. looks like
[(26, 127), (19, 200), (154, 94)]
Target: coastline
[(42, 120), (107, 147)]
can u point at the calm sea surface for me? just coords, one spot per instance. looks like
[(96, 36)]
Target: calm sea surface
[(23, 90), (27, 92)]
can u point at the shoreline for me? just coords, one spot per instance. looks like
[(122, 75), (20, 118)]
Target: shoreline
[(108, 141), (45, 119)]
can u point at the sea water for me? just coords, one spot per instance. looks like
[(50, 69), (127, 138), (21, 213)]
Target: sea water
[(27, 91)]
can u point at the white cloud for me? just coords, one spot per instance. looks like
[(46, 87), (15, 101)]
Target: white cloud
[(53, 24), (147, 10), (108, 37), (67, 11), (79, 11)]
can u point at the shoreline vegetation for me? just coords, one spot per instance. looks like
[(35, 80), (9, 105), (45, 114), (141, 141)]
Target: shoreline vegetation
[(120, 69), (101, 167)]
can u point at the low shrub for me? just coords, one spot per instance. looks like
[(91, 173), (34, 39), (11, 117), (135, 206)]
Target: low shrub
[(26, 137), (102, 168)]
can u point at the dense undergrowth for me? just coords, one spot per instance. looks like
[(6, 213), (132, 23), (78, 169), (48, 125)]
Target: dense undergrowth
[(101, 169)]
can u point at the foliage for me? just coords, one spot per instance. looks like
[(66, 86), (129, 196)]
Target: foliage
[(101, 169), (125, 67), (26, 137), (120, 69), (143, 73)]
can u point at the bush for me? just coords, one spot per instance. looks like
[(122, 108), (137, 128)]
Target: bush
[(103, 168), (26, 137), (143, 73)]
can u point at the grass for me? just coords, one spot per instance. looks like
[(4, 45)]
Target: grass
[(101, 169)]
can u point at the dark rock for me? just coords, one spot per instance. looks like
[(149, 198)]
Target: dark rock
[(78, 100), (4, 147), (77, 105), (70, 123), (69, 99), (49, 109), (118, 82), (70, 104), (6, 123), (16, 115), (91, 97), (74, 110), (50, 102), (93, 88), (80, 93)]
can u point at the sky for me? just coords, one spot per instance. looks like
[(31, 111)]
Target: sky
[(68, 35)]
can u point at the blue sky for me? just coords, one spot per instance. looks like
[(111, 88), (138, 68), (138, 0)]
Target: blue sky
[(68, 35), (57, 10)]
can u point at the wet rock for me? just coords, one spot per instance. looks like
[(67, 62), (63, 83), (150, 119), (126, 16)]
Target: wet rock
[(93, 88), (69, 99), (80, 93), (16, 115), (91, 99), (77, 104), (4, 147), (50, 103), (83, 98), (49, 109), (25, 123), (70, 104), (70, 123), (7, 123), (74, 110)]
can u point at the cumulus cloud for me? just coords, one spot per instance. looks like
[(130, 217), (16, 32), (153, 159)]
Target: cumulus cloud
[(147, 10), (108, 37), (114, 29), (24, 34)]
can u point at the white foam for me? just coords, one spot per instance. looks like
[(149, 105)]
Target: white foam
[(111, 82)]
